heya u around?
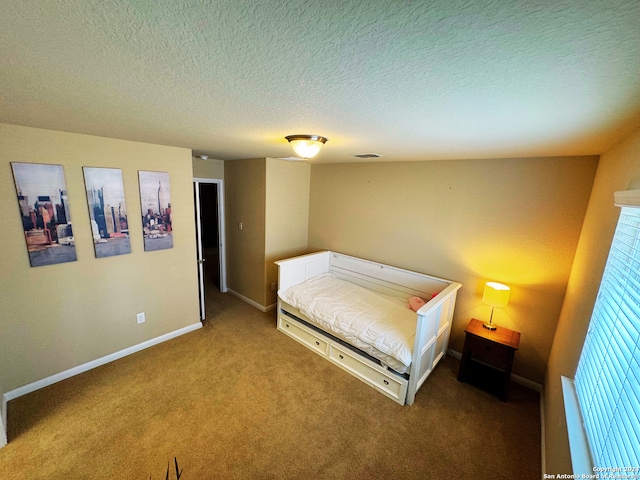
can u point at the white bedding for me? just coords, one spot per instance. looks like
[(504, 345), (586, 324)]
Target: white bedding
[(358, 315)]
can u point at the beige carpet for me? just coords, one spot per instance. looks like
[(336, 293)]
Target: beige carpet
[(240, 400)]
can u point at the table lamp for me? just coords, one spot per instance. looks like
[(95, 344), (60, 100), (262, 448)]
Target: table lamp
[(496, 295)]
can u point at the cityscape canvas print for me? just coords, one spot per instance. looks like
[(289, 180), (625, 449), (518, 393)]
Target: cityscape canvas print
[(155, 200), (107, 210), (44, 211)]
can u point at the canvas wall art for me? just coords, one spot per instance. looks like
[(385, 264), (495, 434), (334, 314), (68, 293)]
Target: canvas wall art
[(155, 200), (107, 210), (44, 210)]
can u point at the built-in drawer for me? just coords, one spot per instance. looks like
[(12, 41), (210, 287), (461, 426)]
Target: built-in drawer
[(302, 334), (388, 384)]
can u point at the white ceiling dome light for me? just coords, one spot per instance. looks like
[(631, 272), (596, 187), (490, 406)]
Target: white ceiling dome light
[(306, 146)]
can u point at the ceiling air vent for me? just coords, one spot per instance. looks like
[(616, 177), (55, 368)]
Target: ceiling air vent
[(366, 155)]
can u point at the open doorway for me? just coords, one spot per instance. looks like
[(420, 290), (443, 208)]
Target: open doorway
[(210, 236)]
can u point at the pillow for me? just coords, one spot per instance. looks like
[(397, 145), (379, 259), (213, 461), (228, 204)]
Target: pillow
[(416, 303)]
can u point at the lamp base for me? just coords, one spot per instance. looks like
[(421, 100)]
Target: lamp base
[(489, 326)]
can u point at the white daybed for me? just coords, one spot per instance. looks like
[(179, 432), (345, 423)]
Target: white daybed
[(393, 373)]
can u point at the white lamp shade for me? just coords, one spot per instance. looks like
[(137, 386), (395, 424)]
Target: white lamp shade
[(496, 294), (306, 146)]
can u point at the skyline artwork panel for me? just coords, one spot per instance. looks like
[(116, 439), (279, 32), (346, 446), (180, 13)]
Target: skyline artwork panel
[(107, 211), (155, 202), (44, 210)]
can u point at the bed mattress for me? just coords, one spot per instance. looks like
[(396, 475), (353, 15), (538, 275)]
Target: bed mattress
[(381, 325)]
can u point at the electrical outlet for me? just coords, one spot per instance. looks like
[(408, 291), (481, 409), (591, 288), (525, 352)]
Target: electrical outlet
[(140, 318), (273, 287)]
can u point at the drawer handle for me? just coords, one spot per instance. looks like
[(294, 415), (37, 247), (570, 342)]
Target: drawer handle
[(341, 357), (386, 382), (318, 343), (286, 325)]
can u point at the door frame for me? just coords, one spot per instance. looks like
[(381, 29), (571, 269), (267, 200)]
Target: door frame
[(222, 249), (3, 418)]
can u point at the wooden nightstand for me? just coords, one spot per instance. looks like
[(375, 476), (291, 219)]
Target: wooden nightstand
[(487, 357)]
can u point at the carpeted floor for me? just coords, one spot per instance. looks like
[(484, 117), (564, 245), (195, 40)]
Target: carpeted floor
[(239, 400)]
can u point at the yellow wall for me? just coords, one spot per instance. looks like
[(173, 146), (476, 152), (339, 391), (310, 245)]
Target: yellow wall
[(245, 187), (287, 216), (618, 169), (515, 221), (60, 316), (271, 199), (207, 168)]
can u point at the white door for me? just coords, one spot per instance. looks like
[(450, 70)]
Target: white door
[(204, 188)]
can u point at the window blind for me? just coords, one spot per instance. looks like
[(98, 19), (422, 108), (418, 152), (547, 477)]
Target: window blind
[(608, 376)]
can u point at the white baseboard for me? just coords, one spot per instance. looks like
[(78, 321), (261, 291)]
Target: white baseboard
[(454, 354), (525, 382), (45, 382), (262, 308)]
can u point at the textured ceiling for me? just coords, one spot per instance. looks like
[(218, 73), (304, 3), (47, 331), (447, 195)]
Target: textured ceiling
[(410, 80)]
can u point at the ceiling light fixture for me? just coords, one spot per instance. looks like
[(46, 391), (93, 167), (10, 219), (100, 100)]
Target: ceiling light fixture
[(306, 146)]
